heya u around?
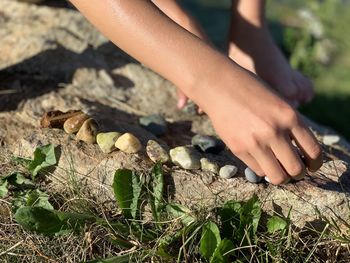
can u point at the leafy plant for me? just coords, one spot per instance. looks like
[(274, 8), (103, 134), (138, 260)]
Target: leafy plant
[(44, 157)]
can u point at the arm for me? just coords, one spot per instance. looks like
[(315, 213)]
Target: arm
[(255, 123)]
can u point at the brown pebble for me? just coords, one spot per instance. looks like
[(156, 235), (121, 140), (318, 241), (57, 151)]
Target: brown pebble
[(73, 124), (88, 131), (56, 119)]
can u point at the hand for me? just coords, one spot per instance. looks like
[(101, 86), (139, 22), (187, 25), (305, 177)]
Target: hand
[(258, 126)]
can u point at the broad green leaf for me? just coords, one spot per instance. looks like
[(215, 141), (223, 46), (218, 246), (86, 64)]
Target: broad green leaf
[(127, 191), (157, 190), (35, 198), (276, 223), (230, 218), (39, 220), (3, 188), (210, 239), (121, 242), (44, 157), (182, 212), (222, 252), (50, 222)]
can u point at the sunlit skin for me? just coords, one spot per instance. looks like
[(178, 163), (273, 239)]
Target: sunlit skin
[(255, 123)]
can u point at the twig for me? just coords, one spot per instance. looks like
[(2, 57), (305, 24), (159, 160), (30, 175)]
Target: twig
[(11, 248)]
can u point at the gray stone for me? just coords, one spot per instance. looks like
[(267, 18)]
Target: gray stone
[(156, 152), (106, 141), (154, 123), (185, 157), (208, 144), (208, 165), (228, 171), (251, 176)]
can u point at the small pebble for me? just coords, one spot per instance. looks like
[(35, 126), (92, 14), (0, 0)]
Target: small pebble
[(228, 171), (156, 152), (330, 139), (154, 123), (88, 131), (251, 176), (190, 108), (73, 124), (56, 119), (128, 143), (106, 141), (208, 144), (185, 157), (208, 165)]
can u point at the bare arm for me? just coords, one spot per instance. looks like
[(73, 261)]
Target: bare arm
[(255, 123), (142, 30)]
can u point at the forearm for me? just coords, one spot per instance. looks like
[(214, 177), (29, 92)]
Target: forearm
[(252, 11), (139, 28), (174, 11)]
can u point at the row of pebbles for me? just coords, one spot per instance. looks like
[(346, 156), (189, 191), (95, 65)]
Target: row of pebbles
[(186, 157)]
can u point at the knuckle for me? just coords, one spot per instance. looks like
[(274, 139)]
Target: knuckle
[(291, 116), (270, 132), (296, 169)]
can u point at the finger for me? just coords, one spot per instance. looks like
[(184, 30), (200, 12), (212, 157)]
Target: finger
[(288, 157), (305, 87), (181, 99), (271, 167), (309, 146), (251, 163)]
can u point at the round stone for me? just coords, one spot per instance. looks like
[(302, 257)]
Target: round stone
[(208, 144), (330, 140), (156, 152), (88, 131), (228, 171), (106, 141), (73, 124), (128, 143), (154, 123), (251, 176), (208, 165), (185, 157)]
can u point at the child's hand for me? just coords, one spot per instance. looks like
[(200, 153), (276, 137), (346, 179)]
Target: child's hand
[(255, 123), (258, 126)]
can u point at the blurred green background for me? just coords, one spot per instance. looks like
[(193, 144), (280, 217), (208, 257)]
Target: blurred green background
[(314, 35)]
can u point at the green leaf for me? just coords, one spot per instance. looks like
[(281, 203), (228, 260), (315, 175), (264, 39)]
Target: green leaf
[(35, 198), (222, 252), (230, 218), (182, 212), (251, 213), (239, 217), (39, 220), (44, 157), (276, 223), (3, 188), (50, 222), (210, 239), (157, 191), (127, 191)]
